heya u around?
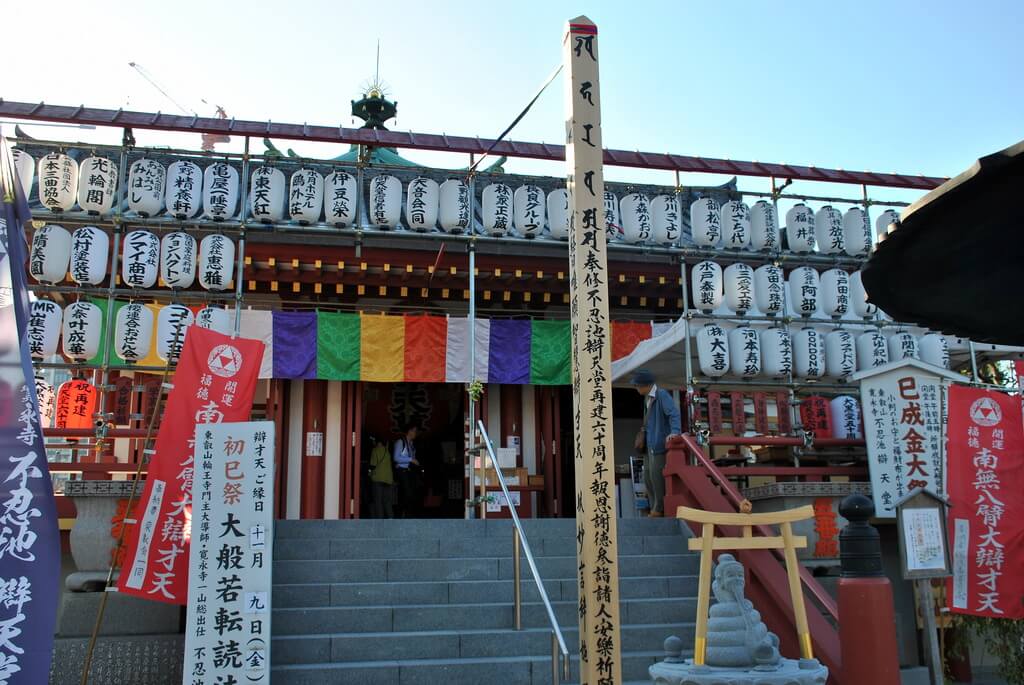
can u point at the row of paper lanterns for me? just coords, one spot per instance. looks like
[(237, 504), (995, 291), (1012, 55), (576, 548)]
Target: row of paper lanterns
[(55, 252), (741, 288), (79, 327), (748, 353), (185, 191)]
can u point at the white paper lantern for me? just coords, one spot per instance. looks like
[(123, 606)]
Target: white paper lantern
[(184, 194), (559, 214), (745, 352), (635, 210), (47, 398), (528, 210), (776, 352), (835, 293), (856, 232), (216, 319), (883, 221), (706, 222), (769, 289), (872, 350), (739, 287), (713, 350), (764, 226), (735, 225), (51, 251), (800, 228), (706, 282), (805, 288), (83, 323), (178, 260), (89, 250), (44, 322), (859, 298), (171, 326), (828, 230), (934, 350), (496, 209), (385, 208), (903, 346), (140, 259), (612, 221), (453, 212), (133, 331), (58, 182), (340, 199), (216, 262), (846, 418), (666, 220), (808, 353), (24, 168), (840, 353), (97, 185), (267, 195), (220, 191), (146, 181), (306, 196), (421, 204)]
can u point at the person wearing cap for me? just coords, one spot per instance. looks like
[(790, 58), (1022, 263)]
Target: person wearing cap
[(661, 422)]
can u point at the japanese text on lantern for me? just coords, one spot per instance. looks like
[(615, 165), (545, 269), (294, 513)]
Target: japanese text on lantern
[(228, 629)]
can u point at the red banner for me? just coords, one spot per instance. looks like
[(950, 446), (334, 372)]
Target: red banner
[(215, 382), (986, 516)]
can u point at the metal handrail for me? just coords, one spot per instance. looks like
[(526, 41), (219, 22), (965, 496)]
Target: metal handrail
[(558, 647)]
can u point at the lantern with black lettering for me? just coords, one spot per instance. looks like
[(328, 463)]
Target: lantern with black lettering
[(178, 260), (76, 404), (745, 352), (713, 350), (385, 207), (140, 259), (872, 350), (887, 218), (859, 298), (706, 282), (934, 350), (146, 181), (612, 220), (220, 191), (216, 262), (83, 323), (171, 326), (776, 352), (903, 345), (184, 196), (856, 232), (764, 226), (24, 169), (769, 289), (706, 222), (51, 251), (808, 353), (306, 196), (828, 230), (840, 353), (496, 209), (804, 288), (846, 418), (97, 185), (800, 228), (835, 293), (636, 218), (133, 332), (89, 250), (216, 319), (453, 206), (58, 182), (739, 287), (47, 399), (44, 322), (422, 204), (340, 199), (735, 225), (528, 211), (267, 195), (559, 215), (665, 220)]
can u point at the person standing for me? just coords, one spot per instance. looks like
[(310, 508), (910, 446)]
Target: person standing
[(383, 481), (661, 422), (407, 471)]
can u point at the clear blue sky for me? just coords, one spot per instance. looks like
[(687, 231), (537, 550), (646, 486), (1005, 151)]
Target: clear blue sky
[(915, 87)]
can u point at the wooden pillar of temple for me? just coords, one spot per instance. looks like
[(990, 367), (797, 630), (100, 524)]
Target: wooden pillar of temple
[(314, 418), (511, 398)]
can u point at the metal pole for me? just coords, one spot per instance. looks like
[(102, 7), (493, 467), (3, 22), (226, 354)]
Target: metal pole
[(472, 355), (516, 579), (687, 346), (556, 655), (974, 362), (242, 211), (927, 605)]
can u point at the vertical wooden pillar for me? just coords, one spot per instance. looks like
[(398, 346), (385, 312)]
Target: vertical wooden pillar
[(314, 416), (512, 416), (597, 551), (276, 413)]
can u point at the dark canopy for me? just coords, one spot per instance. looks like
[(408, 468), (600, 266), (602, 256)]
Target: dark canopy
[(956, 260)]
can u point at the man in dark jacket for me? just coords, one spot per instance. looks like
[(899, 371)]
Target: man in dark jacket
[(661, 421)]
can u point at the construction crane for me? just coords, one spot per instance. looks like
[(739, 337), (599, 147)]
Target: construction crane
[(209, 139)]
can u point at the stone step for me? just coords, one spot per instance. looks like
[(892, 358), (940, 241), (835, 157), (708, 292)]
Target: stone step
[(506, 671), (302, 549), (454, 528), (388, 570), (412, 618), (453, 644)]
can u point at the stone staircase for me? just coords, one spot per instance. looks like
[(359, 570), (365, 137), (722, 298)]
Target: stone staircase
[(430, 601)]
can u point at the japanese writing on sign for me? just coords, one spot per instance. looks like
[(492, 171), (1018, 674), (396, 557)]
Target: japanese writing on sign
[(227, 636), (903, 430), (986, 516)]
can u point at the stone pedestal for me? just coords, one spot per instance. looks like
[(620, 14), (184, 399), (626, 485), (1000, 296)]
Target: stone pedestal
[(92, 545)]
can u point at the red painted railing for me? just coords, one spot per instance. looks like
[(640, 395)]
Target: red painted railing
[(704, 486)]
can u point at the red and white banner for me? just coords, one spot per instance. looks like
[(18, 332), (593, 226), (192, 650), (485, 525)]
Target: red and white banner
[(986, 516), (215, 382)]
